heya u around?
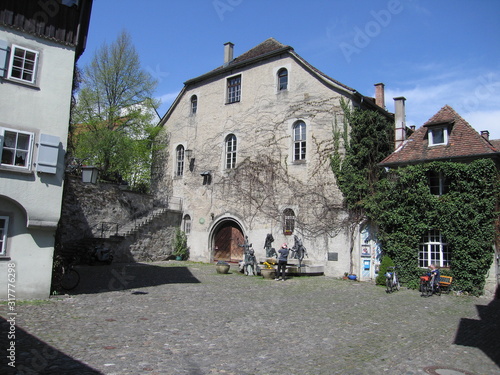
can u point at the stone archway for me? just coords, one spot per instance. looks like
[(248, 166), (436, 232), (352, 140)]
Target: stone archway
[(228, 235)]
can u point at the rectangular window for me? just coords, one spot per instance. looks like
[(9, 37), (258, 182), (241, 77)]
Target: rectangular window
[(434, 250), (437, 183), (438, 136), (4, 225), (22, 65), (16, 148), (234, 89)]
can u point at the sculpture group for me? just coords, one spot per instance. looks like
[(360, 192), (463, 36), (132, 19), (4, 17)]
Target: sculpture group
[(249, 264)]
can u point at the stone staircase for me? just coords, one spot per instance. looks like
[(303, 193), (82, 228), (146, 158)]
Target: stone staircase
[(135, 225)]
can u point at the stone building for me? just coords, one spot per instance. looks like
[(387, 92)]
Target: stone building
[(248, 148), (40, 42)]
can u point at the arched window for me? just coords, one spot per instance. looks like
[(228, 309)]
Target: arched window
[(288, 221), (230, 151), (299, 141), (179, 153), (282, 79), (186, 224), (194, 104)]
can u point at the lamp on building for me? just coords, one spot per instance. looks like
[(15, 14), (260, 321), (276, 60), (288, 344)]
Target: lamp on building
[(190, 158), (89, 174)]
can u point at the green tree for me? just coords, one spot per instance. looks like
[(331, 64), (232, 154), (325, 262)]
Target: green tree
[(113, 120)]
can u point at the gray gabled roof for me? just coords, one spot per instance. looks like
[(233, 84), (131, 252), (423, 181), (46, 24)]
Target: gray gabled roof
[(267, 49)]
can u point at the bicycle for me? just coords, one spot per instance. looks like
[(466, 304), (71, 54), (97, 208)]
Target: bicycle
[(70, 277), (391, 280), (64, 275), (428, 286)]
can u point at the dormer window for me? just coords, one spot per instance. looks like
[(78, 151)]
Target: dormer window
[(438, 133), (438, 136)]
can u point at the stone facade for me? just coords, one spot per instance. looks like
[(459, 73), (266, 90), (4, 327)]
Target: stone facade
[(239, 169)]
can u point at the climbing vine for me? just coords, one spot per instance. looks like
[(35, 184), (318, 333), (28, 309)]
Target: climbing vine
[(401, 205), (367, 137), (464, 215)]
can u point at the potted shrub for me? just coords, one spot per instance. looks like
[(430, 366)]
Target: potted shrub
[(181, 250)]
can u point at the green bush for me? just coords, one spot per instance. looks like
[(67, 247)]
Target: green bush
[(384, 264)]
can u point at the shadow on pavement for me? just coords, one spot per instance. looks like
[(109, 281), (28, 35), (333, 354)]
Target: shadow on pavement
[(124, 276), (484, 333), (29, 355)]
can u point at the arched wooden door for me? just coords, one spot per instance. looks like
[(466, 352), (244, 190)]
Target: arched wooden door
[(227, 237)]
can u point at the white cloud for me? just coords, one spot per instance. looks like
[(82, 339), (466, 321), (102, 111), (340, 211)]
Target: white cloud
[(166, 101)]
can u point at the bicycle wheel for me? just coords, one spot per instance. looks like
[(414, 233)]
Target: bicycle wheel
[(70, 279), (388, 285), (397, 285), (429, 288)]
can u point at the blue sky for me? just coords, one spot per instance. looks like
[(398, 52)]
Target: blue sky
[(431, 52)]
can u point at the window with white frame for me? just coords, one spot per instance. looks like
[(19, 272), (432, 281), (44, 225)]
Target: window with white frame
[(234, 89), (437, 183), (22, 64), (299, 141), (282, 79), (230, 151), (438, 135), (288, 221), (179, 152), (4, 225), (16, 148), (433, 249)]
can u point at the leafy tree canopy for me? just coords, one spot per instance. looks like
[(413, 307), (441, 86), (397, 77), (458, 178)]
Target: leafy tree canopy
[(113, 120)]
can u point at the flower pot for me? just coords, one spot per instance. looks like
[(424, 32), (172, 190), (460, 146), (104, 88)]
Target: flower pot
[(222, 268), (268, 273), (178, 257), (352, 277)]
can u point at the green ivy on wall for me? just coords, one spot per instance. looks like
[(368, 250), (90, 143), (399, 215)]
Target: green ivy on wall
[(405, 209), (400, 203)]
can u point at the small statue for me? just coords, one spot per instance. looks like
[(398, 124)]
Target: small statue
[(270, 251), (250, 261), (299, 251)]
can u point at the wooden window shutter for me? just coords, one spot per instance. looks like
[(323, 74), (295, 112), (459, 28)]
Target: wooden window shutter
[(4, 52), (48, 153)]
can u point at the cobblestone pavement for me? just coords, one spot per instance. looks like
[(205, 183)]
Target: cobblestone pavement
[(184, 318)]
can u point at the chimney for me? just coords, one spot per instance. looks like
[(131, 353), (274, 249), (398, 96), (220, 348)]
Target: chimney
[(379, 95), (485, 134), (400, 121), (228, 53)]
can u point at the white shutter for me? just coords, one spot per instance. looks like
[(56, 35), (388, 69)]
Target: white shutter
[(48, 152), (4, 51)]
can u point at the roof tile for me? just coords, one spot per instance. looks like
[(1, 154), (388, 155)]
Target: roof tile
[(463, 142)]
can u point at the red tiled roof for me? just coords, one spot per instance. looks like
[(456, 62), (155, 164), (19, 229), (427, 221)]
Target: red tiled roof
[(463, 142)]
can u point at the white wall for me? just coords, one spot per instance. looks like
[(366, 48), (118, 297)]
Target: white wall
[(31, 199)]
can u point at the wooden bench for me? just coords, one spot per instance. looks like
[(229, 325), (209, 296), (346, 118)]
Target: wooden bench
[(445, 283)]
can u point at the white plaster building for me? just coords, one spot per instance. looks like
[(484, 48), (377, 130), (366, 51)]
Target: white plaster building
[(248, 150), (39, 45)]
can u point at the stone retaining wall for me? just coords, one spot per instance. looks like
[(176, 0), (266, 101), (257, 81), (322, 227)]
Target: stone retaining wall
[(87, 209)]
